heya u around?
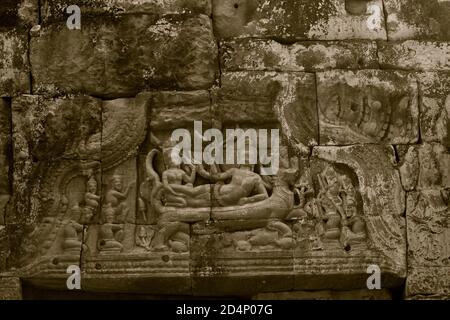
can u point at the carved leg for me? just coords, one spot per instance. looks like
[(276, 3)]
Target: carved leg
[(167, 230), (10, 289)]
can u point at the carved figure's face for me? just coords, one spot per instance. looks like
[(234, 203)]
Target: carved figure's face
[(92, 188), (117, 184), (109, 217)]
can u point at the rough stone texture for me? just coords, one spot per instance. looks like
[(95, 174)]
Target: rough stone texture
[(299, 19), (10, 289), (367, 107), (14, 77), (301, 56), (327, 295), (268, 97), (88, 177), (426, 168), (414, 55), (19, 13), (52, 10), (435, 107), (418, 19), (5, 151), (173, 110), (121, 58)]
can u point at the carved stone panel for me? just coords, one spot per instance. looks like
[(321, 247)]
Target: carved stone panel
[(46, 133), (435, 107), (10, 289), (367, 107), (351, 217)]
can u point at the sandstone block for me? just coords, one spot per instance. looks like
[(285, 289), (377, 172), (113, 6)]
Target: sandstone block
[(299, 19), (122, 57), (418, 19), (415, 55), (269, 55)]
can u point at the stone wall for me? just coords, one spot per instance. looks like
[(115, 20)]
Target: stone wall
[(359, 89)]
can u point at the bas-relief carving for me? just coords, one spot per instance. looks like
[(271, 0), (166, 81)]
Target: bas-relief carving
[(367, 107), (329, 209)]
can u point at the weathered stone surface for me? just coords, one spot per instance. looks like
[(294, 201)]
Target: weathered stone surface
[(46, 223), (429, 282), (123, 120), (10, 289), (55, 9), (4, 248), (434, 170), (52, 138), (435, 107), (300, 19), (18, 13), (269, 97), (88, 175), (220, 257), (171, 110), (414, 55), (368, 106), (52, 128), (133, 252), (14, 77), (5, 157), (122, 58), (120, 192), (270, 55), (417, 19), (427, 217), (350, 179), (327, 295)]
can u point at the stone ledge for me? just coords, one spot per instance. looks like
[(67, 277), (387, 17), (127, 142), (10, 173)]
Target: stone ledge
[(414, 55), (270, 55)]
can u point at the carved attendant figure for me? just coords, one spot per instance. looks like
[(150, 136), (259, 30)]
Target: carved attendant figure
[(116, 197), (110, 234)]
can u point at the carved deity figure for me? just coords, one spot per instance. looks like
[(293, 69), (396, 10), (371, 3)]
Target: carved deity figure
[(330, 202), (144, 236), (179, 186), (91, 200), (110, 234), (116, 197), (353, 226), (245, 186), (73, 232)]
